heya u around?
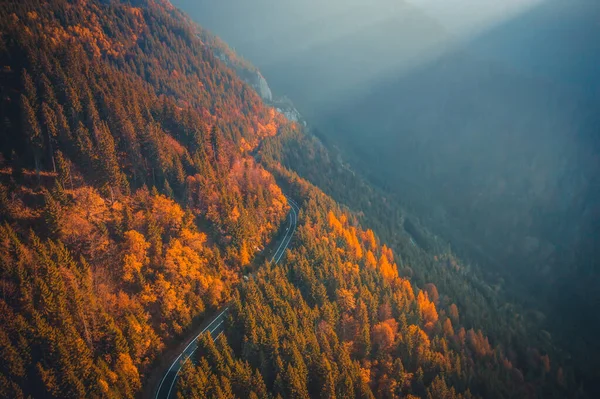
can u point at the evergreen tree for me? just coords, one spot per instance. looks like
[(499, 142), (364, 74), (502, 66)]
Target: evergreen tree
[(32, 132)]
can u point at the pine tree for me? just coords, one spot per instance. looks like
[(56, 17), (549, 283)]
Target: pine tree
[(64, 170), (167, 189), (29, 89), (345, 387), (32, 131), (51, 125), (52, 213), (363, 340), (108, 164), (216, 144), (326, 379)]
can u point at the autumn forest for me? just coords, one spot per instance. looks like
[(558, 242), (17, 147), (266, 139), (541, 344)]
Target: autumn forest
[(142, 182)]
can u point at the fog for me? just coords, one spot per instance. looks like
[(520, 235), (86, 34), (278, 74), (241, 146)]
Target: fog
[(463, 18), (340, 46), (344, 46)]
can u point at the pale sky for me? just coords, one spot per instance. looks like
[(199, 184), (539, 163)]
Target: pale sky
[(462, 17)]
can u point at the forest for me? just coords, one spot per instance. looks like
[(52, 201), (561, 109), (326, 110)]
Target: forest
[(140, 177)]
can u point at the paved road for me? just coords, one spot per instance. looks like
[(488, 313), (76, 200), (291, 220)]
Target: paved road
[(166, 388)]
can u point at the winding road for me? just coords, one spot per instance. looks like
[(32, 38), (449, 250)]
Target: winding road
[(166, 389)]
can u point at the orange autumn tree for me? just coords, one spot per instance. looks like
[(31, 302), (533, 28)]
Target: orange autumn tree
[(388, 269), (370, 240), (448, 329), (383, 334), (453, 311), (479, 343), (370, 260), (427, 310), (136, 256)]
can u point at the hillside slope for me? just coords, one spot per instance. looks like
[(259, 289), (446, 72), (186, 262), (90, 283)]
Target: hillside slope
[(129, 203), (140, 176)]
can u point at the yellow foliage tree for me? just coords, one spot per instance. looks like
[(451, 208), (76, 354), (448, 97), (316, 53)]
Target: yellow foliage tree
[(334, 223), (136, 249), (448, 329), (387, 269), (370, 240), (370, 260), (244, 254), (346, 300), (182, 261), (427, 309), (167, 212)]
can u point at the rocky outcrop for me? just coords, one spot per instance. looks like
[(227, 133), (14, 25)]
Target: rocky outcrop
[(244, 69), (263, 89), (248, 73), (285, 106), (251, 75)]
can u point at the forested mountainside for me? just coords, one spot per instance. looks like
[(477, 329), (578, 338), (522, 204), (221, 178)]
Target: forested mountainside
[(492, 143), (342, 317), (128, 200), (139, 176)]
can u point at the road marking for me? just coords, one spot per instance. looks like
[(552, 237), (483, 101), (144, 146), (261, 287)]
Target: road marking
[(283, 240), (191, 354), (288, 238), (186, 348), (294, 216), (291, 235), (218, 325), (284, 237)]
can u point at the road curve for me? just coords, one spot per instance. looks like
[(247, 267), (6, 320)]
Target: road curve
[(166, 388)]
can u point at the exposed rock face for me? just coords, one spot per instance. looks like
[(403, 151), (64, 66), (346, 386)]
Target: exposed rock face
[(246, 72), (251, 75), (263, 89), (291, 114), (285, 106)]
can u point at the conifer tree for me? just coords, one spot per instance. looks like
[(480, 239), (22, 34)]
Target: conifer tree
[(33, 133)]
